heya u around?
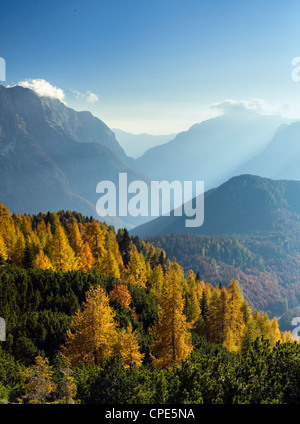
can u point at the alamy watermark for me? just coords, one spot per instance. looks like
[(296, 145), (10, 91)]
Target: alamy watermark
[(296, 70), (154, 199), (2, 330), (2, 69)]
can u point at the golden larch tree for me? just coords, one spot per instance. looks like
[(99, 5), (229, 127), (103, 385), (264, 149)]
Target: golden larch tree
[(156, 282), (237, 325), (95, 236), (172, 333), (3, 249), (108, 265), (18, 249), (92, 337), (86, 259), (62, 255), (136, 272), (75, 239), (42, 261), (128, 348), (218, 316)]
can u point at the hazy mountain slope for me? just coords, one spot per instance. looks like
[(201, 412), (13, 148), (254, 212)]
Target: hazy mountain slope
[(281, 158), (241, 205), (212, 150), (136, 145), (52, 157)]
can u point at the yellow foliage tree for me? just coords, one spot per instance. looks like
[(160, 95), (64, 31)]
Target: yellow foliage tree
[(3, 249), (75, 239), (172, 333), (156, 282), (236, 308), (86, 259), (18, 249), (193, 302), (129, 349), (93, 334), (218, 316), (62, 255), (95, 237), (108, 265), (42, 261), (136, 272), (39, 384)]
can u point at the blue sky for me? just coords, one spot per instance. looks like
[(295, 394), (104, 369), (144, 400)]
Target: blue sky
[(155, 66)]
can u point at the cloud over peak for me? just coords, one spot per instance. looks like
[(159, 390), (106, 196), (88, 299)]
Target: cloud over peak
[(43, 88)]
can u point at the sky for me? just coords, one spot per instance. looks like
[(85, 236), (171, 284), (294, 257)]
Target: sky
[(155, 66)]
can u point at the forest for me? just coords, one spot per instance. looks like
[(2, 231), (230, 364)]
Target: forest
[(95, 316)]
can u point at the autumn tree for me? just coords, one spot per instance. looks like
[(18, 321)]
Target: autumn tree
[(18, 248), (121, 295), (3, 249), (218, 317), (93, 334), (109, 266), (42, 261), (172, 333), (86, 259), (192, 301), (156, 282), (40, 385), (236, 310), (136, 272), (95, 237), (63, 256), (75, 239), (128, 347)]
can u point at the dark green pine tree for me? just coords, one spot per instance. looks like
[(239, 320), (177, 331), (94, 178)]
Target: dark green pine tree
[(198, 277), (124, 241), (204, 306), (28, 260)]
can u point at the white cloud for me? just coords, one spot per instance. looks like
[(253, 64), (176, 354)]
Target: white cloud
[(88, 96), (257, 105), (43, 88)]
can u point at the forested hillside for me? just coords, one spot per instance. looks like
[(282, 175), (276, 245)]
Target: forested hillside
[(265, 264), (94, 316)]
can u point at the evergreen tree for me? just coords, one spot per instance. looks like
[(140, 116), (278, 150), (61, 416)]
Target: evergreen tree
[(28, 260)]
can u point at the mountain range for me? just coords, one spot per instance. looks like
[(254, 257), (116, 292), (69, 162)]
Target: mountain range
[(52, 157), (212, 150)]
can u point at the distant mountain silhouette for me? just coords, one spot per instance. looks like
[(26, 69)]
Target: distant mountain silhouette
[(281, 158), (244, 204), (135, 145)]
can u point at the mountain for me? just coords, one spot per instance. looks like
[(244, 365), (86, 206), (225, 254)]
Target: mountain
[(243, 205), (52, 157), (212, 150), (281, 158), (135, 145)]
